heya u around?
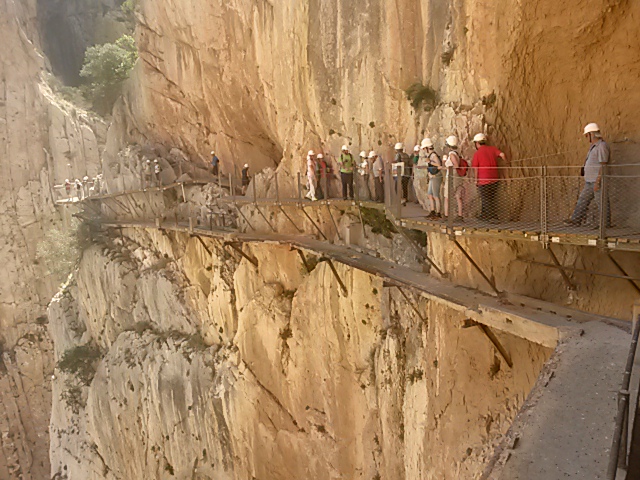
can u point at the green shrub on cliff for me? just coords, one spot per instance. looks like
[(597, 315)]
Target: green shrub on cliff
[(61, 246), (106, 67)]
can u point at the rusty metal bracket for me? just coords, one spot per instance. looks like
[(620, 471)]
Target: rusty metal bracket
[(289, 218), (238, 249), (312, 222), (335, 225), (335, 273), (624, 272), (411, 303), (304, 260), (243, 216), (204, 245), (418, 249), (565, 277), (492, 337), (477, 267)]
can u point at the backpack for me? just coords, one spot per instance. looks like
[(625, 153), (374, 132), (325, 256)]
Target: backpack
[(431, 168), (463, 166)]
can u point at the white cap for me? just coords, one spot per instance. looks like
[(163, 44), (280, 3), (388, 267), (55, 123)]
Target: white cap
[(363, 154), (246, 165), (372, 154), (399, 146), (452, 141), (480, 137), (320, 155), (344, 147), (416, 148), (426, 143), (311, 153), (590, 128)]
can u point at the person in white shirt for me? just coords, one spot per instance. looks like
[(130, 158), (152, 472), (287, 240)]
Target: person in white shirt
[(378, 175), (311, 176)]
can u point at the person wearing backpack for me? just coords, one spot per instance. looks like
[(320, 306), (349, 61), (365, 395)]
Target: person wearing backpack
[(485, 166), (434, 170), (456, 167), (407, 171), (346, 163)]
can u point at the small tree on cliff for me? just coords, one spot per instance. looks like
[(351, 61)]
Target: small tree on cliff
[(106, 67)]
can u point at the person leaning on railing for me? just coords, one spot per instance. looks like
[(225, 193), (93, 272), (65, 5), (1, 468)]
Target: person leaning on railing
[(485, 166), (597, 157)]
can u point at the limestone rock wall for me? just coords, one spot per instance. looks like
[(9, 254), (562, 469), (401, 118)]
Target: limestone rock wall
[(209, 367), (262, 82), (42, 142)]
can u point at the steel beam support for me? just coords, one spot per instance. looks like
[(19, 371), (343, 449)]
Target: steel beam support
[(468, 323), (623, 271), (590, 272), (419, 249), (335, 225), (242, 215), (364, 230), (304, 260), (565, 277), (406, 297), (255, 205), (477, 267), (335, 273), (238, 249), (204, 245), (289, 218), (312, 222)]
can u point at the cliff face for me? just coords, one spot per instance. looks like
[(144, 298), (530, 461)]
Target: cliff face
[(264, 81), (205, 366), (41, 143)]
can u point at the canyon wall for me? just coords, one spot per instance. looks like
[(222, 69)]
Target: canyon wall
[(181, 359), (42, 142), (262, 82)]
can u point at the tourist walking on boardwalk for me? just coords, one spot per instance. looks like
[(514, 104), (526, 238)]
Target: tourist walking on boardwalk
[(597, 159), (156, 173), (311, 176), (406, 170), (453, 162), (346, 163), (434, 171), (322, 169), (378, 175), (78, 185), (147, 172), (215, 163), (67, 188), (245, 178), (485, 166), (363, 169)]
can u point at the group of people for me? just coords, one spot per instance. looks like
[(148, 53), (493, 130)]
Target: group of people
[(84, 188), (402, 169), (151, 173)]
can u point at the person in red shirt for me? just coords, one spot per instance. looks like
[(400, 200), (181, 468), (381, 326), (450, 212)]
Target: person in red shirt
[(485, 165)]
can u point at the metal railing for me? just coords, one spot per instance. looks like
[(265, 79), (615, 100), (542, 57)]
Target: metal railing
[(619, 457)]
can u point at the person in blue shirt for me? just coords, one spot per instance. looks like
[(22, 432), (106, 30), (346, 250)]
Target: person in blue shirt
[(215, 163)]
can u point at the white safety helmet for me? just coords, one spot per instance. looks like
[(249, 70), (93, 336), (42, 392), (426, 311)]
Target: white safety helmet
[(66, 180), (148, 161), (591, 127), (345, 148), (363, 154), (85, 178), (426, 143), (320, 156), (452, 141), (416, 148), (212, 152), (372, 154), (155, 161), (480, 137), (311, 153), (246, 165), (399, 146)]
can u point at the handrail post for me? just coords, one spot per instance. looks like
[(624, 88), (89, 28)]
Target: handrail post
[(299, 189), (323, 179), (398, 199), (544, 219), (604, 205), (450, 199), (255, 196), (275, 178)]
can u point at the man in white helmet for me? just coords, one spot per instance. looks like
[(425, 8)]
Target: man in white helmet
[(246, 179), (378, 175), (215, 163), (311, 176), (485, 166), (404, 168), (363, 170), (434, 169), (453, 162), (597, 158), (346, 163)]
